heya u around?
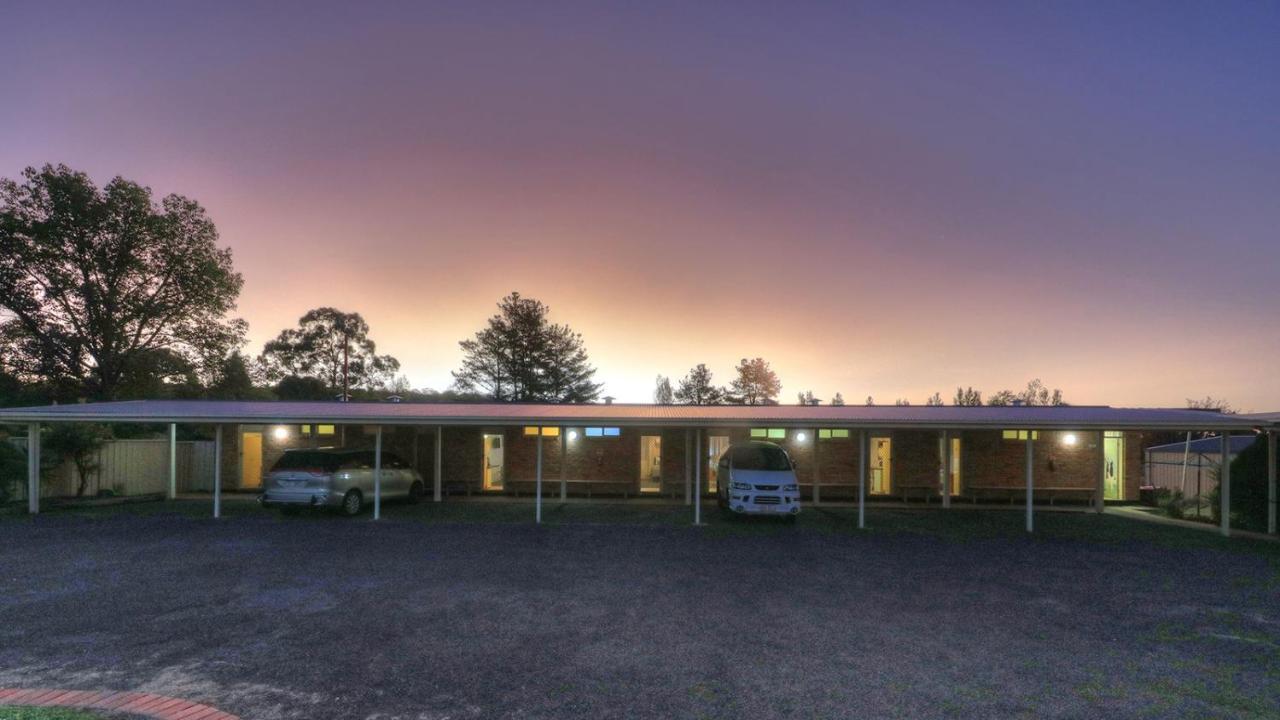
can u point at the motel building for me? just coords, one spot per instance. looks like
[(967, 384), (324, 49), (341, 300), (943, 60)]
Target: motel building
[(1026, 456)]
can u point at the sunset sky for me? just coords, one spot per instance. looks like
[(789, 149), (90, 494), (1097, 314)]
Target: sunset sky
[(884, 199)]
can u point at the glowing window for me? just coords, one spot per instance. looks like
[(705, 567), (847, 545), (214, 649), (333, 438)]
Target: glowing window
[(324, 429), (771, 433), (1020, 434), (603, 432), (830, 433), (546, 431)]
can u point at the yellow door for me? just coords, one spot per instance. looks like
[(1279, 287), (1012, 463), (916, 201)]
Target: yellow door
[(650, 463), (881, 465), (251, 460)]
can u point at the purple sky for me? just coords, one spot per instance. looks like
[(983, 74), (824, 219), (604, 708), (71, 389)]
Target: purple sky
[(882, 201)]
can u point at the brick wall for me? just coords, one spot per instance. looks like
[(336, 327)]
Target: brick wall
[(989, 460), (986, 458)]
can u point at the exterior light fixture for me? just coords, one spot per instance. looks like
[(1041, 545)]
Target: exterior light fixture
[(573, 434), (800, 436), (1070, 439), (280, 432)]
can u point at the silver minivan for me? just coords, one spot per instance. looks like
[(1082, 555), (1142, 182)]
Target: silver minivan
[(337, 478), (757, 478)]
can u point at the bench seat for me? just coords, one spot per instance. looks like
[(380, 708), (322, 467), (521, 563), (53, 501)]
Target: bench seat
[(1051, 493)]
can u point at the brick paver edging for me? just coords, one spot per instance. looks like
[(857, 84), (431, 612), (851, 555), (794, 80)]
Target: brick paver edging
[(161, 707)]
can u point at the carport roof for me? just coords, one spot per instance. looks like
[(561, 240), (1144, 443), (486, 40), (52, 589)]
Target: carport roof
[(873, 416), (1207, 446)]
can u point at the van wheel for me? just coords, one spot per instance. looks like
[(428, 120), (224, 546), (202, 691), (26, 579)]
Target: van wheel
[(352, 503), (415, 493)]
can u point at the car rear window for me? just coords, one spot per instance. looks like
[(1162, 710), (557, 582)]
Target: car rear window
[(308, 460), (760, 457)]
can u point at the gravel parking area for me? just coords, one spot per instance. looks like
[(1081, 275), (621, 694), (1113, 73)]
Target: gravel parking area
[(433, 616)]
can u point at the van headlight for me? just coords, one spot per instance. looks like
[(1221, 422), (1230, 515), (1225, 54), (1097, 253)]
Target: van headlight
[(793, 487), (740, 486)]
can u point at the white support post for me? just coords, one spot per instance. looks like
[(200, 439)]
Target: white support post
[(217, 471), (817, 469), (1271, 482), (1186, 456), (1030, 478), (862, 478), (537, 513), (564, 480), (437, 492), (173, 460), (1101, 493), (377, 474), (946, 468), (33, 468), (697, 477), (1224, 483)]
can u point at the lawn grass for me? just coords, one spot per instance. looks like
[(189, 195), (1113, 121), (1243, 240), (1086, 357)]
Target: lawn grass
[(46, 713)]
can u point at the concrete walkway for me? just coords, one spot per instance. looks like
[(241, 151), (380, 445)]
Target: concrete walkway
[(148, 705), (1154, 515)]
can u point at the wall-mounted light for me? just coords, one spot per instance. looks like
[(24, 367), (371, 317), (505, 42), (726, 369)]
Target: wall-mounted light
[(280, 432), (800, 436), (1070, 439), (573, 435)]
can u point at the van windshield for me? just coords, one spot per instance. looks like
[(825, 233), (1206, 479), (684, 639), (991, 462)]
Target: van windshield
[(759, 457), (308, 460)]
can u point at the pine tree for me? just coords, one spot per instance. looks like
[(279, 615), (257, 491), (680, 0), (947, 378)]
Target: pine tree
[(662, 393), (696, 388), (756, 384), (520, 356)]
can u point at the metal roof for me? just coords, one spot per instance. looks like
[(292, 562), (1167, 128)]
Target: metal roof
[(1207, 446), (867, 416)]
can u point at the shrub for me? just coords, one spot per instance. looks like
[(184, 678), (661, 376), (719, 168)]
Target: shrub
[(1174, 505), (13, 470), (79, 444), (1248, 489)]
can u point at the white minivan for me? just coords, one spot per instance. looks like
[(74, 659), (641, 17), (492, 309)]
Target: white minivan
[(758, 478)]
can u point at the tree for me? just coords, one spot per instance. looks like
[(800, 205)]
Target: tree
[(967, 397), (934, 400), (302, 388), (870, 401), (662, 392), (96, 284), (756, 384), (696, 388), (838, 400), (233, 380), (521, 356), (1004, 397), (331, 346), (77, 443), (902, 402), (1037, 394), (1210, 403), (807, 398)]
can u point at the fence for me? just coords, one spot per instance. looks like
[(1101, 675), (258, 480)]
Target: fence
[(1164, 470), (130, 467)]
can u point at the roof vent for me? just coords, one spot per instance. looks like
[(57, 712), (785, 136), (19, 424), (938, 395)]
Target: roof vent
[(608, 399)]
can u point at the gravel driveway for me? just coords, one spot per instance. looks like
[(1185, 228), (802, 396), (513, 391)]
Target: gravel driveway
[(317, 619)]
